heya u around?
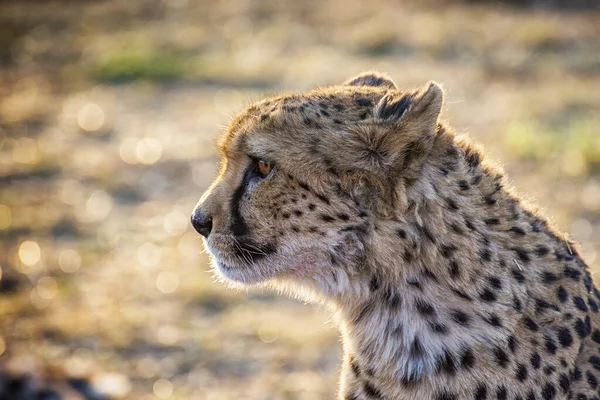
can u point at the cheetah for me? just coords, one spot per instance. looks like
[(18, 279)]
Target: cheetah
[(443, 283)]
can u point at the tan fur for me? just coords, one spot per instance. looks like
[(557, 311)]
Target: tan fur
[(444, 285)]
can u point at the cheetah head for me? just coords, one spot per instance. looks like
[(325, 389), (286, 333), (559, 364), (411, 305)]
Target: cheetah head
[(304, 178)]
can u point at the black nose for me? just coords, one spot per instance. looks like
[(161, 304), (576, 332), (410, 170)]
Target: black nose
[(202, 223)]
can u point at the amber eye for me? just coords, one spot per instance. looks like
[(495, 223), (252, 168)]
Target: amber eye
[(263, 168)]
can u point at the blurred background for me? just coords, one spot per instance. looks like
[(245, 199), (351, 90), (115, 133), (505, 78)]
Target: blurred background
[(109, 111)]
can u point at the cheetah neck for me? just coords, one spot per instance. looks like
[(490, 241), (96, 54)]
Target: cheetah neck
[(441, 288)]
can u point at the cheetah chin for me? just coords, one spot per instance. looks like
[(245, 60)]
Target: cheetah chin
[(444, 283)]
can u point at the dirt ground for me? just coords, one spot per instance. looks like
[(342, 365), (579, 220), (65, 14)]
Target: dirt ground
[(109, 111)]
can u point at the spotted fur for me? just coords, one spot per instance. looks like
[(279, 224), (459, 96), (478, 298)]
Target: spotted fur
[(445, 285)]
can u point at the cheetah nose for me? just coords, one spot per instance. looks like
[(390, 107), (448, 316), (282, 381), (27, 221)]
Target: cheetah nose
[(201, 222)]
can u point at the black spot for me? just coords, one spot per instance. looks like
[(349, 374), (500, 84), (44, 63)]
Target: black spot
[(343, 217), (446, 364), (542, 305), (424, 308), (462, 294), (493, 320), (324, 199), (424, 232), (485, 254), (501, 393), (591, 379), (446, 396), (572, 273), (581, 328), (492, 221), (596, 336), (392, 299), (580, 304), (481, 392), (548, 391), (593, 305), (354, 366), (371, 390), (464, 185), (550, 345), (501, 357), (467, 359), (518, 231), (576, 374), (495, 282), (416, 349), (327, 218), (517, 304), (549, 370), (470, 225), (523, 255), (564, 337), (374, 283), (521, 374), (364, 102), (541, 251), (562, 294), (401, 233), (595, 361), (298, 213), (451, 204), (448, 250), (549, 277), (429, 275), (454, 269), (530, 324), (414, 283), (518, 275), (472, 157), (460, 317), (512, 343), (438, 328), (487, 295), (565, 383), (303, 186), (536, 360)]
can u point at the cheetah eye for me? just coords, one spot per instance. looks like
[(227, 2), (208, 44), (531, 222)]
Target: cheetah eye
[(263, 167)]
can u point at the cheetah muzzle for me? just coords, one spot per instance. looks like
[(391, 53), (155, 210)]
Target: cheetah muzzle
[(444, 284)]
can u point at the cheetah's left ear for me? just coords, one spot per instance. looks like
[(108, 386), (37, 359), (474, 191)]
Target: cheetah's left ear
[(371, 79)]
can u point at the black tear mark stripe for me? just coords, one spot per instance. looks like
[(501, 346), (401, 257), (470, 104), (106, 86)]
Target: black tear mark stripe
[(238, 225), (246, 249)]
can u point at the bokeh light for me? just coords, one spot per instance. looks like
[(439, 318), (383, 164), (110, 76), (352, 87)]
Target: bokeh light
[(163, 389), (69, 260), (30, 253), (167, 281), (91, 117), (46, 288)]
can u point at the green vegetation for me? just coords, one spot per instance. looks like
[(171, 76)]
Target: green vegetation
[(139, 64), (577, 141)]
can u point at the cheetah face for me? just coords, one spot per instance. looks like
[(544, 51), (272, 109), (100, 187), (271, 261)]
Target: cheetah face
[(262, 219), (303, 176)]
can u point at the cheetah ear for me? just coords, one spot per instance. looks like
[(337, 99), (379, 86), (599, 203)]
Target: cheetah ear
[(423, 105), (371, 79)]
